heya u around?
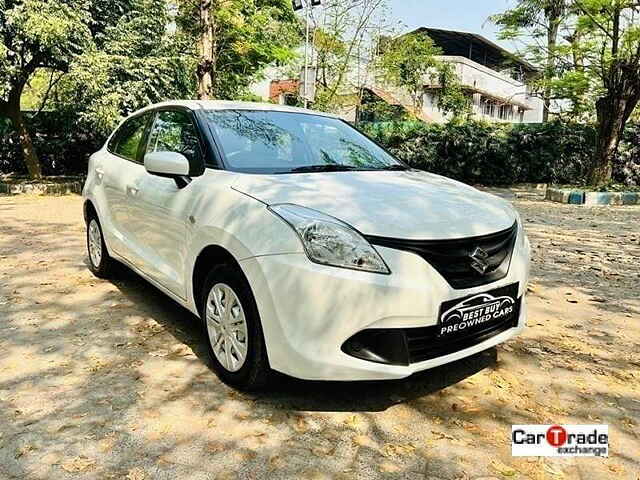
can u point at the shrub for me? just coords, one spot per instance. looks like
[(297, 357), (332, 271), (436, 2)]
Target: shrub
[(473, 152), (62, 144), (627, 169), (501, 154)]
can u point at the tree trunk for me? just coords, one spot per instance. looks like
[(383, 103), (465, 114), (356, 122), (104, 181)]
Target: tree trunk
[(11, 109), (613, 111), (206, 44), (607, 142), (552, 39)]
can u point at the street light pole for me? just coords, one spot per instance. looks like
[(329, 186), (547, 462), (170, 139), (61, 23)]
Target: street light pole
[(306, 54)]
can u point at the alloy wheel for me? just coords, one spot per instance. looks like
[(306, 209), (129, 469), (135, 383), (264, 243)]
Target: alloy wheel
[(227, 327), (95, 243)]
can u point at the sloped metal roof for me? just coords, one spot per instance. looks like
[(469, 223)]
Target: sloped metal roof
[(474, 47)]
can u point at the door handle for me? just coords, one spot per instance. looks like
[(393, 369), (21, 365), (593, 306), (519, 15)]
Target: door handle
[(100, 173), (133, 191)]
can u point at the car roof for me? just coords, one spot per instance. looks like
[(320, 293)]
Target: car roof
[(231, 105)]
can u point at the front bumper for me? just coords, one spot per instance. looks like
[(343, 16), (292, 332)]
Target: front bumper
[(308, 310)]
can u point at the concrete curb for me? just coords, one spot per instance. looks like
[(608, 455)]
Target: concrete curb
[(581, 197), (64, 188)]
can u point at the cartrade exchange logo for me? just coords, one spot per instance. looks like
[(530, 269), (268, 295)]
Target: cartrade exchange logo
[(560, 440)]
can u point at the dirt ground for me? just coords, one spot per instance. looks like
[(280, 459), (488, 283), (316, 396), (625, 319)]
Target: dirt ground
[(109, 379)]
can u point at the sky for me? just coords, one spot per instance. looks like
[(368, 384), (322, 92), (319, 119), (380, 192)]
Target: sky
[(466, 15)]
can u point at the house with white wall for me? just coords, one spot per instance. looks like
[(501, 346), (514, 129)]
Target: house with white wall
[(497, 82)]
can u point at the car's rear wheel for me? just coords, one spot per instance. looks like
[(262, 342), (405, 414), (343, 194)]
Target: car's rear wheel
[(233, 330), (100, 262)]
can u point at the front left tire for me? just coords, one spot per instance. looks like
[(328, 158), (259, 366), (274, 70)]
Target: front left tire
[(233, 329)]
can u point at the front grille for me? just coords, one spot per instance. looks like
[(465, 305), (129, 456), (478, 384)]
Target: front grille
[(451, 258)]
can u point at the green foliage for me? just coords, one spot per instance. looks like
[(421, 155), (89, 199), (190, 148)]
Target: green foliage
[(374, 109), (249, 35), (578, 68), (98, 60), (135, 64), (103, 88), (451, 96), (501, 154), (39, 34), (64, 147), (410, 59), (472, 152), (329, 43), (592, 60), (346, 35), (627, 166), (407, 61)]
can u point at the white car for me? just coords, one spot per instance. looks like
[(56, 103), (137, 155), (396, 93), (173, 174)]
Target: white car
[(303, 246)]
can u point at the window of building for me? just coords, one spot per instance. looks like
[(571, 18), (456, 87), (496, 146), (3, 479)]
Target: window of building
[(489, 106), (290, 99), (505, 112)]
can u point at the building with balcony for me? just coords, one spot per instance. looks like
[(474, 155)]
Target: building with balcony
[(496, 81)]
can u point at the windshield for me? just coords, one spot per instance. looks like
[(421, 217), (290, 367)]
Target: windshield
[(283, 142)]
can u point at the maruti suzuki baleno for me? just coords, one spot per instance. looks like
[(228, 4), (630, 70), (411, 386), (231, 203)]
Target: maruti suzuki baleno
[(302, 245)]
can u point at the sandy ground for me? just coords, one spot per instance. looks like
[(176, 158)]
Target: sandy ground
[(109, 379)]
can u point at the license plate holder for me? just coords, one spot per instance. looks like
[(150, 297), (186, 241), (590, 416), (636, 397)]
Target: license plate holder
[(475, 313)]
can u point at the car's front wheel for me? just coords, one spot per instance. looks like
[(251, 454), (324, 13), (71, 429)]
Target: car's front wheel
[(100, 262), (233, 329)]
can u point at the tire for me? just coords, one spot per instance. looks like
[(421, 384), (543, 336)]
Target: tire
[(100, 263), (226, 336)]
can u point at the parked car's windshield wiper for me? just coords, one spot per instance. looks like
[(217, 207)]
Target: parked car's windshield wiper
[(336, 167), (329, 167), (395, 166)]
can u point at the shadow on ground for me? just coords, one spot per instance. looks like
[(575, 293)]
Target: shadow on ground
[(290, 393), (111, 380)]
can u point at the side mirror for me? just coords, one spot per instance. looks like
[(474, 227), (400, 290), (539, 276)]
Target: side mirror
[(166, 164)]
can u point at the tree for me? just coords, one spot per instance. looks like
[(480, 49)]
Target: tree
[(36, 34), (409, 61), (101, 59), (595, 68), (538, 18), (612, 29), (345, 38), (134, 60), (234, 40)]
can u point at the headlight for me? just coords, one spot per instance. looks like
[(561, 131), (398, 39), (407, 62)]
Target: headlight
[(329, 241)]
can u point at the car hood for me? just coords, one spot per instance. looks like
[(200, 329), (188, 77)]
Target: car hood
[(405, 204)]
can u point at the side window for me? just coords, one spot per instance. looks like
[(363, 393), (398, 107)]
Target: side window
[(127, 139), (173, 131)]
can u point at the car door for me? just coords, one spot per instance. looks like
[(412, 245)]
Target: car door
[(160, 210), (116, 170)]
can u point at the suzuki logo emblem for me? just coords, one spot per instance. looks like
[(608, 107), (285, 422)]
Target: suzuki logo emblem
[(479, 260)]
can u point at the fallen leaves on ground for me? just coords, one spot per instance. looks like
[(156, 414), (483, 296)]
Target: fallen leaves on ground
[(136, 473), (502, 469), (391, 450), (159, 353), (78, 464)]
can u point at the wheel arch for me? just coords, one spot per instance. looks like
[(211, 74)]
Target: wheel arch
[(208, 258), (88, 209)]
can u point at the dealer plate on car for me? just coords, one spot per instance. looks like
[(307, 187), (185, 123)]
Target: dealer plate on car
[(479, 312)]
